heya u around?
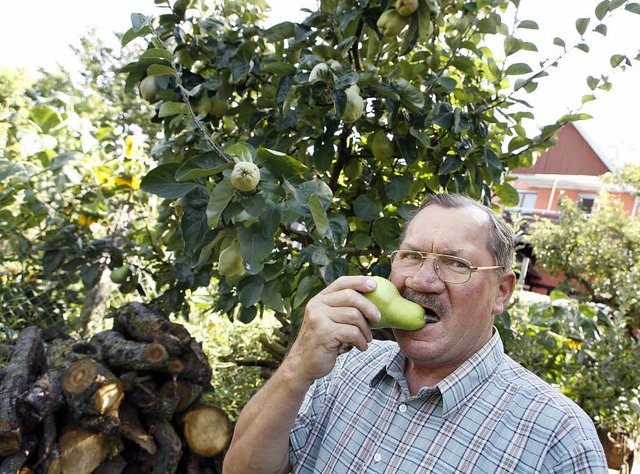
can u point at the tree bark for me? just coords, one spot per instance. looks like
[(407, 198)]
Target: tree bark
[(117, 351), (136, 321), (27, 354), (13, 464), (184, 391), (169, 448)]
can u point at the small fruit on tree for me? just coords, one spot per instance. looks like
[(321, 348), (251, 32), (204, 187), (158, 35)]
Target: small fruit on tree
[(230, 262), (381, 146), (406, 7), (149, 89), (245, 176), (353, 169), (219, 106), (120, 274), (320, 72), (354, 108), (391, 23)]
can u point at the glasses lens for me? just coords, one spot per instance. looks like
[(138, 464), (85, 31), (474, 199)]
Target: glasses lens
[(452, 269), (407, 261)]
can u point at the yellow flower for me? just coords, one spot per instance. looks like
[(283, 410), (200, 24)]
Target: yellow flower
[(128, 143), (572, 344)]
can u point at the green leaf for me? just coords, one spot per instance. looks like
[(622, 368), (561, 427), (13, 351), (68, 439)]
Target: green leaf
[(450, 165), (410, 95), (160, 70), (250, 289), (592, 82), (367, 208), (279, 68), (279, 164), (220, 196), (464, 65), (161, 181), (582, 24), (46, 117), (61, 160), (319, 215), (270, 218), (602, 29), (583, 47), (168, 109), (8, 169), (617, 59), (205, 164), (272, 297), (254, 247), (559, 42), (398, 187), (518, 69), (131, 34), (633, 8), (528, 24), (195, 231), (241, 151), (386, 232), (508, 195), (602, 9), (157, 53), (588, 98), (517, 143), (512, 45), (138, 21), (307, 287)]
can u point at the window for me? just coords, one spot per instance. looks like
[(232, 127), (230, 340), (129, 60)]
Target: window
[(586, 201)]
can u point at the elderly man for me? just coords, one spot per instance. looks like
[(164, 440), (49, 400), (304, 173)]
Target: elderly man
[(442, 399)]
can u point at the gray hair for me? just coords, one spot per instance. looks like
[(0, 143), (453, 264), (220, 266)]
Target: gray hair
[(501, 241)]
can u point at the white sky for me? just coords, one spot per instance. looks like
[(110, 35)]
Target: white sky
[(36, 33)]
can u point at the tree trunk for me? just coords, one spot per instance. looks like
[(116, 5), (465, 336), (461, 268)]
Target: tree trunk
[(27, 354)]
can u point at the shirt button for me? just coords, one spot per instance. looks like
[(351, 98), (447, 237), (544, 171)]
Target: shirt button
[(377, 457), (402, 408)]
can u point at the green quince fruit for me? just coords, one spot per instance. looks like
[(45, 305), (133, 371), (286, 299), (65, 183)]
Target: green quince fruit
[(397, 312)]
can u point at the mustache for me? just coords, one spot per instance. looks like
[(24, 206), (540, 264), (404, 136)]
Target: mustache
[(426, 300)]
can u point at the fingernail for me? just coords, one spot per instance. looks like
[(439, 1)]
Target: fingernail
[(371, 283)]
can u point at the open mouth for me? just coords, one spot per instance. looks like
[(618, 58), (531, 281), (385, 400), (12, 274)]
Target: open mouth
[(430, 316)]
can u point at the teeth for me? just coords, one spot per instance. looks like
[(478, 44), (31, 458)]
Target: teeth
[(431, 317)]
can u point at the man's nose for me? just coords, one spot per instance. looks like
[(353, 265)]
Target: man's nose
[(426, 279)]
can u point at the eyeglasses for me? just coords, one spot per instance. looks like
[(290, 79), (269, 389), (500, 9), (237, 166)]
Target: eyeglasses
[(449, 269)]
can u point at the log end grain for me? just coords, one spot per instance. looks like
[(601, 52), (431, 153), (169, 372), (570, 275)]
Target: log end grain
[(207, 430)]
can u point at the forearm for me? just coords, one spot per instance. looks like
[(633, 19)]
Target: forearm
[(261, 436)]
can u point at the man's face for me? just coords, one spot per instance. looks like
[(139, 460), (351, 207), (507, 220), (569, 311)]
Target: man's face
[(465, 311)]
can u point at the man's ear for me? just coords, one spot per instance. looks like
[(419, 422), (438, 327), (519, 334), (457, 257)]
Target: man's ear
[(506, 286)]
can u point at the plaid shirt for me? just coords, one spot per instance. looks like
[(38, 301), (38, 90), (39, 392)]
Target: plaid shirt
[(490, 416)]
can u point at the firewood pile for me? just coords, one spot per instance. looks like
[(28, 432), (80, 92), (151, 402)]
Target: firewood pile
[(128, 400)]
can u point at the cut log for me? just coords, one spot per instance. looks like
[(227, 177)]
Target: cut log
[(14, 463), (119, 352), (26, 356), (48, 452), (207, 430), (167, 458), (196, 365), (82, 451), (115, 465), (91, 389), (152, 403), (185, 392), (45, 396), (131, 428), (139, 323)]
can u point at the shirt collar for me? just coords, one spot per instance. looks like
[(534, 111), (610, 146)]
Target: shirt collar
[(456, 387)]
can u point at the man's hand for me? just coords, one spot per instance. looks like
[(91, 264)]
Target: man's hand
[(334, 317)]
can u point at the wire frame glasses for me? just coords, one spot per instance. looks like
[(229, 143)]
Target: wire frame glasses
[(449, 268)]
